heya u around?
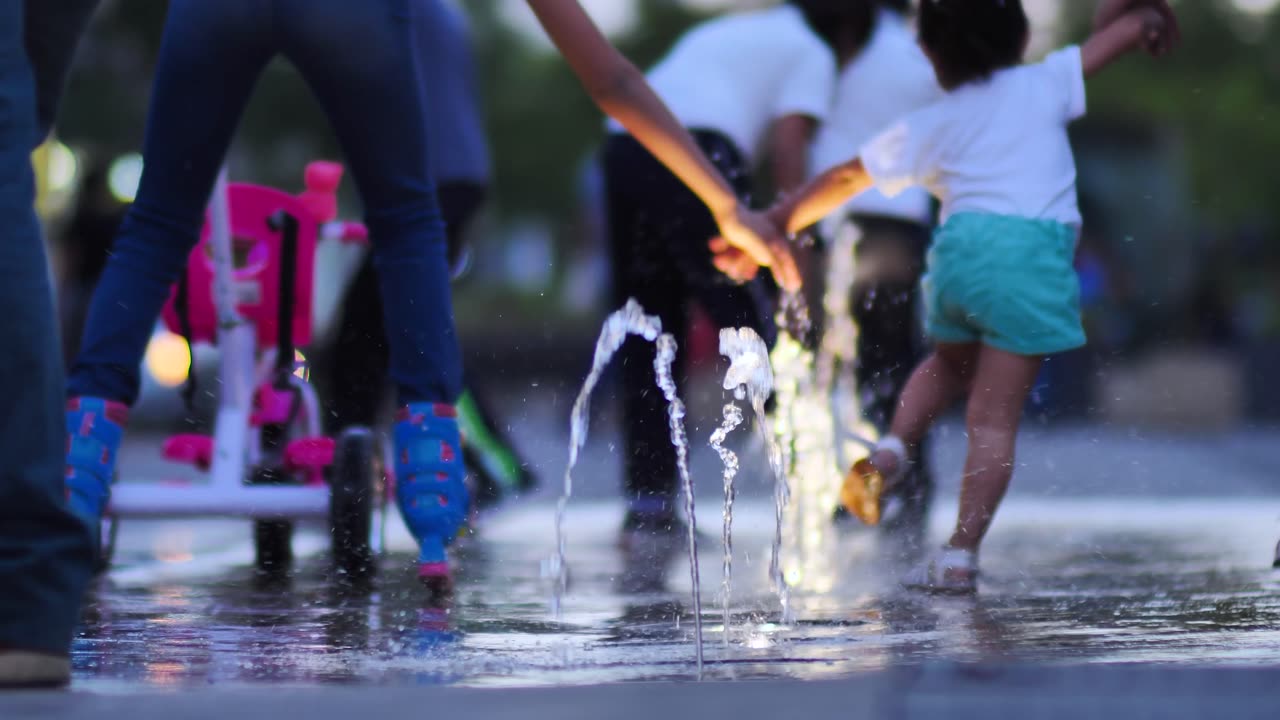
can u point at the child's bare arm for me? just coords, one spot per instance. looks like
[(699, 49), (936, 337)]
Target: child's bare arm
[(1144, 26), (621, 91), (821, 197), (1111, 10)]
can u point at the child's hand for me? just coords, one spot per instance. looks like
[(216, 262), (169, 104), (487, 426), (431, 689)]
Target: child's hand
[(1159, 37), (1157, 34), (733, 262), (1111, 10), (758, 238)]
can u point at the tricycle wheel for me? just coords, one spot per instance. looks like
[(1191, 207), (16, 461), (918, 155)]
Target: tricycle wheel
[(352, 498)]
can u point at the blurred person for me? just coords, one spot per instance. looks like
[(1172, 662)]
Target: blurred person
[(45, 553), (1001, 291), (740, 83), (459, 156), (211, 54), (86, 244), (889, 78)]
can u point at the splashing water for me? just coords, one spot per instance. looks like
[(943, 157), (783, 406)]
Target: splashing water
[(838, 349), (732, 419), (630, 320), (749, 368), (675, 412), (818, 423)]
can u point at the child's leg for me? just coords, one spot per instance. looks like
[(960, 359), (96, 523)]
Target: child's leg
[(999, 393), (210, 57), (938, 381), (374, 100)]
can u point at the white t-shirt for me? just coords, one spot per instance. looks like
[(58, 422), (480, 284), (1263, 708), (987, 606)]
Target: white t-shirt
[(996, 147), (739, 73), (890, 78)]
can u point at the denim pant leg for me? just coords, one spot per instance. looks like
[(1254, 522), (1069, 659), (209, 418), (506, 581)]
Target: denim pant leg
[(373, 96), (45, 556), (210, 56), (52, 30)]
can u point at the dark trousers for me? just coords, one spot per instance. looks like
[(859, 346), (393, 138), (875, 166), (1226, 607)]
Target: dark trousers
[(659, 232), (361, 357), (886, 306), (45, 552)]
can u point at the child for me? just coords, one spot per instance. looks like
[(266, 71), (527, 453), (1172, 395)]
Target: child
[(1000, 290), (741, 82), (359, 59)]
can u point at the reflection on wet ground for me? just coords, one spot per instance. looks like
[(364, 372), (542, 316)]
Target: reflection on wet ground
[(1065, 582)]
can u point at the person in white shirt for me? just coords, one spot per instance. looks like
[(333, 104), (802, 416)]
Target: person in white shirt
[(888, 79), (744, 84), (1000, 290)]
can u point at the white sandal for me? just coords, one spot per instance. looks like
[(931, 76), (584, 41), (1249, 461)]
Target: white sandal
[(951, 571)]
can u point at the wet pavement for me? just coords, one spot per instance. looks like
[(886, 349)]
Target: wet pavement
[(1066, 582), (1114, 550)]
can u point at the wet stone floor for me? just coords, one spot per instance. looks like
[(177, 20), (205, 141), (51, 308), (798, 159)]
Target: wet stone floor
[(1066, 580)]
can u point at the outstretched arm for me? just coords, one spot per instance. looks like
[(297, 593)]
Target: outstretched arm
[(1143, 26), (1111, 10), (621, 91), (822, 196)]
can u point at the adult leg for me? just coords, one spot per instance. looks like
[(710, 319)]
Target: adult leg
[(885, 304), (1001, 385), (45, 558), (639, 201), (358, 377)]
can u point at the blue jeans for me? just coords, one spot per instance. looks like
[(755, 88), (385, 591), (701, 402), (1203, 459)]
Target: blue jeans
[(358, 59), (45, 552)]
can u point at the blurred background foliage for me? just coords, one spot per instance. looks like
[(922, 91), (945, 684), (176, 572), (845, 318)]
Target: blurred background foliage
[(1177, 160)]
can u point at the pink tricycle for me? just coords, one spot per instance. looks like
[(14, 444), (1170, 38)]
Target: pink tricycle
[(248, 290)]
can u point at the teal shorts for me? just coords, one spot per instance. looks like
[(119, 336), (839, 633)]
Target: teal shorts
[(1003, 281)]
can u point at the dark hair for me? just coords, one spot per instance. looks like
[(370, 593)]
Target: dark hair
[(901, 7), (845, 25), (970, 39)]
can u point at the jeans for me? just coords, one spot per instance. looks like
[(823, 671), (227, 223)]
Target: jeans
[(358, 59), (45, 552), (357, 383)]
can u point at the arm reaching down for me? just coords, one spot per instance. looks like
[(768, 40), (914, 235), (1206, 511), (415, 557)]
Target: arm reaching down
[(621, 91)]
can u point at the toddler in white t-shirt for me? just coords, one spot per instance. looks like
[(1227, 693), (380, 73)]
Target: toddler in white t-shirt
[(1000, 290)]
